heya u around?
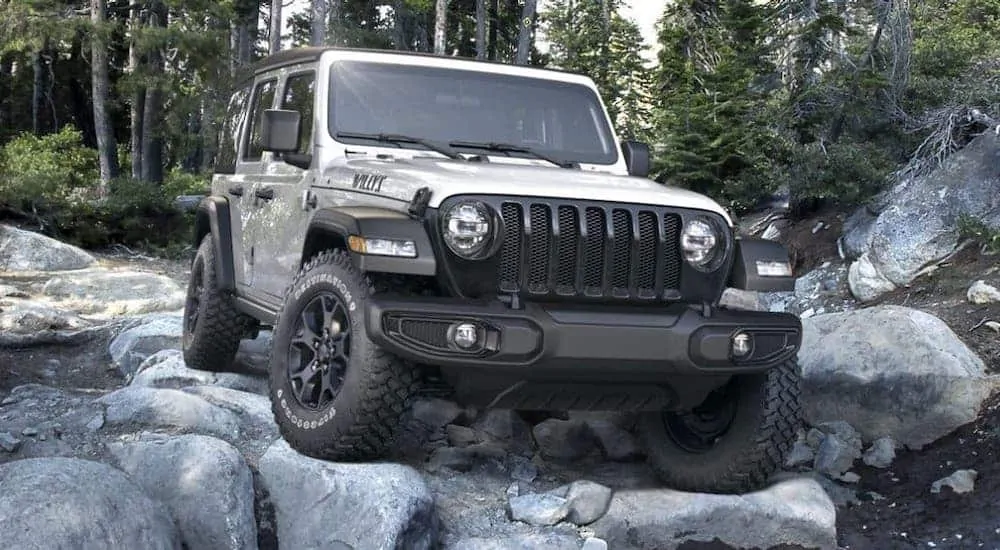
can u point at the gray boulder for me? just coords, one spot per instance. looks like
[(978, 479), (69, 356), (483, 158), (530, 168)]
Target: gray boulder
[(166, 369), (252, 410), (107, 293), (587, 500), (857, 233), (795, 512), (563, 440), (891, 371), (150, 335), (919, 226), (205, 483), (30, 252), (319, 504), (982, 293), (138, 408), (73, 503)]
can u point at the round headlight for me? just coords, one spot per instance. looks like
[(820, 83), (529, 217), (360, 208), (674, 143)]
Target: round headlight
[(468, 228), (701, 243)]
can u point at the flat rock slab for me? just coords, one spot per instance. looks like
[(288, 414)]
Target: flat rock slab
[(322, 504), (26, 251), (166, 369), (205, 483), (891, 371), (73, 503), (29, 317), (795, 512), (115, 293)]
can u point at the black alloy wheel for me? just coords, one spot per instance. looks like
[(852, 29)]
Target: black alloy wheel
[(320, 351)]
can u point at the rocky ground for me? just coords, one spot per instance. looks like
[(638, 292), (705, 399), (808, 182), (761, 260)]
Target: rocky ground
[(99, 414)]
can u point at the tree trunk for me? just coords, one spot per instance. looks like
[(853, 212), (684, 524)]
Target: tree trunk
[(399, 16), (138, 95), (440, 27), (6, 92), (319, 22), (37, 91), (152, 131), (275, 32), (481, 26), (107, 149), (247, 14), (494, 18), (525, 27), (334, 9)]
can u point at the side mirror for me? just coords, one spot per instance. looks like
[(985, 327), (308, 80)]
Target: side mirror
[(636, 158), (280, 130)]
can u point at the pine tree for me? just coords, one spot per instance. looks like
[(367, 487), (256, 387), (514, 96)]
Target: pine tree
[(710, 95), (592, 38)]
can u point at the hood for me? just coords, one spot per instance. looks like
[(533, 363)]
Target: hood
[(400, 178)]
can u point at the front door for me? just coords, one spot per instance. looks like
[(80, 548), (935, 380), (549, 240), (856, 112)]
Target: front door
[(250, 166), (283, 219)]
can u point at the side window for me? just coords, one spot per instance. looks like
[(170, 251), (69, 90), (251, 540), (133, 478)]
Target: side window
[(229, 132), (263, 98), (299, 97)]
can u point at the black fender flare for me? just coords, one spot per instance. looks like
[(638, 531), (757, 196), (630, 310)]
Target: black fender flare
[(213, 216), (371, 222), (744, 274)]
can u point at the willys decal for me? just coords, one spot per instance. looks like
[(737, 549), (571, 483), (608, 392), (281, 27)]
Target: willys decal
[(368, 182)]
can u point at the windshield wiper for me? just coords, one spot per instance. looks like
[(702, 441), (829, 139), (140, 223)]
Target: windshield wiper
[(511, 148), (399, 138)]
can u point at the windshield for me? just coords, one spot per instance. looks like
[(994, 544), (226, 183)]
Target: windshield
[(447, 105)]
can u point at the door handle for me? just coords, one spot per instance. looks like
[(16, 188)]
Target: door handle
[(236, 190), (266, 193)]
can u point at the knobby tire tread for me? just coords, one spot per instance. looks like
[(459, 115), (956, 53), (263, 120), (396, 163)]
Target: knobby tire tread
[(773, 438), (388, 388), (220, 326)]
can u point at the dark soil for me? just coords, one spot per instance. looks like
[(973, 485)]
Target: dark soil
[(808, 250), (86, 365), (911, 516)]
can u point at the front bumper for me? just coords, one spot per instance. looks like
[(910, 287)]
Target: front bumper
[(579, 343)]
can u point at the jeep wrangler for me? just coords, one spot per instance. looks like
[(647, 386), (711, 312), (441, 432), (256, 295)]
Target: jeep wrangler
[(405, 223)]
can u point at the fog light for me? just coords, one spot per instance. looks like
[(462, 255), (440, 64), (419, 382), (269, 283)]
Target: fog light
[(742, 344), (463, 335)]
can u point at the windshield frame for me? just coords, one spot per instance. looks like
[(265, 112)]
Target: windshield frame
[(604, 132)]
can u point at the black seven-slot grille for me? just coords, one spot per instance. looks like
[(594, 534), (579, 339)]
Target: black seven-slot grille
[(591, 250)]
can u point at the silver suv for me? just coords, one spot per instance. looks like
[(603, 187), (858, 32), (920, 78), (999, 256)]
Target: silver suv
[(406, 223)]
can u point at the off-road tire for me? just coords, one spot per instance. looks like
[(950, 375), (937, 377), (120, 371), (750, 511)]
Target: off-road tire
[(768, 417), (212, 343), (377, 389)]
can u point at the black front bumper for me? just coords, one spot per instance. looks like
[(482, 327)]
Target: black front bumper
[(578, 343)]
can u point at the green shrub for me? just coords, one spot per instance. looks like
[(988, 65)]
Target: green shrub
[(46, 172), (844, 173), (972, 228), (177, 182)]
